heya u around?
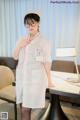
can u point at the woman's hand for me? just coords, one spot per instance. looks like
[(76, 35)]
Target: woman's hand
[(23, 42), (51, 84)]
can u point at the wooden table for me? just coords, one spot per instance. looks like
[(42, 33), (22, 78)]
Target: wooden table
[(62, 88)]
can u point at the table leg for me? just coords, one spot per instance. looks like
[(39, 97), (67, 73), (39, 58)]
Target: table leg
[(56, 112)]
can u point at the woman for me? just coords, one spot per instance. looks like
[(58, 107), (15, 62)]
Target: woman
[(33, 71)]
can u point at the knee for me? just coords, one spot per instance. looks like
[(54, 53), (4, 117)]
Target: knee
[(25, 110)]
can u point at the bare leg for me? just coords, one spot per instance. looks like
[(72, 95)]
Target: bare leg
[(25, 113)]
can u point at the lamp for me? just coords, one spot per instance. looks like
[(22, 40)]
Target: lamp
[(69, 52)]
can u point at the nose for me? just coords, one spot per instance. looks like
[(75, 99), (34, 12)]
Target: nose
[(30, 28)]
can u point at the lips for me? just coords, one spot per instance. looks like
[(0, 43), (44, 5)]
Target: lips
[(31, 29)]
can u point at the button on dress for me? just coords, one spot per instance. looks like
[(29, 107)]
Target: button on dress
[(31, 77)]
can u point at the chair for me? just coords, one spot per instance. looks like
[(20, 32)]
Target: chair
[(7, 90), (63, 66)]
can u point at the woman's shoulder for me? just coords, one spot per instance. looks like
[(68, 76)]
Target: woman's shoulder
[(44, 40)]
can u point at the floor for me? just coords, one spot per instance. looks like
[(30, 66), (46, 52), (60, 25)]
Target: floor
[(72, 112)]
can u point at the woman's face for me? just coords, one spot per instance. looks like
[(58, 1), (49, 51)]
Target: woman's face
[(32, 26)]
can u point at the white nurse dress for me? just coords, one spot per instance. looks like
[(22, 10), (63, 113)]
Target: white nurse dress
[(31, 77)]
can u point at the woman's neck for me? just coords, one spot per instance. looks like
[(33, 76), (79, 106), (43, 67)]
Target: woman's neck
[(32, 35)]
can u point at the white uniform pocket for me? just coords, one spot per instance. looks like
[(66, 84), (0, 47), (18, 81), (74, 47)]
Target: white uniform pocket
[(39, 55), (40, 58)]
